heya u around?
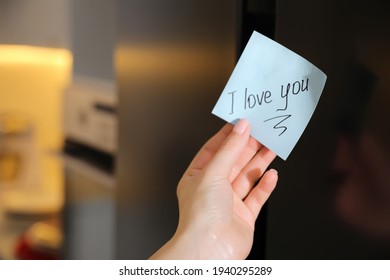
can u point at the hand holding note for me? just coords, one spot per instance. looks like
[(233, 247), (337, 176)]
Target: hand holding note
[(276, 90), (273, 92), (220, 196)]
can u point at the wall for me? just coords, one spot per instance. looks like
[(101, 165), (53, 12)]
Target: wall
[(38, 22), (93, 36)]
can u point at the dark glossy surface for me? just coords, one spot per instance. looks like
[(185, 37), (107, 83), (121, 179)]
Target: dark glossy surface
[(333, 198)]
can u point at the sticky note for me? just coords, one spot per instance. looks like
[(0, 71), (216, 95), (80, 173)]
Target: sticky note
[(275, 89)]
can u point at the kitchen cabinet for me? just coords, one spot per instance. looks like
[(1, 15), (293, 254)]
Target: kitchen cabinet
[(84, 31)]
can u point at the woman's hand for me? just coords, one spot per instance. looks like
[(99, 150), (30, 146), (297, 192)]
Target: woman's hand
[(220, 197)]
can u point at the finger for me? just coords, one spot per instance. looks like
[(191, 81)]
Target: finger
[(208, 150), (250, 151), (249, 175), (259, 195), (231, 149)]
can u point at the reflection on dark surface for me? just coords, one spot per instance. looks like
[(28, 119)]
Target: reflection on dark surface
[(362, 197), (363, 190), (333, 196)]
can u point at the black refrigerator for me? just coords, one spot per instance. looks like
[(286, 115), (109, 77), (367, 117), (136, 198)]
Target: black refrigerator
[(172, 60)]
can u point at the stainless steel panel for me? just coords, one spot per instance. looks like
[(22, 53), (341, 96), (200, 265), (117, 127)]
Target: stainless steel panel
[(172, 60)]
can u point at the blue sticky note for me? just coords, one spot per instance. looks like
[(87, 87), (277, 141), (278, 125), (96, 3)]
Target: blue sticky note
[(275, 89)]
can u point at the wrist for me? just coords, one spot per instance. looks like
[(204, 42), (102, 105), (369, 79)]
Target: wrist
[(178, 247), (194, 245)]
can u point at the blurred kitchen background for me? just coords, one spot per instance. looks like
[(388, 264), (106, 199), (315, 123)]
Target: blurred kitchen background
[(104, 103)]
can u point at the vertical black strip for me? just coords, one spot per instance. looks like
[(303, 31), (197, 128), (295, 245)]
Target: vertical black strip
[(259, 16)]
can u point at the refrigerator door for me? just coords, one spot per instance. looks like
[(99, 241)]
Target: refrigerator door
[(333, 197), (172, 60)]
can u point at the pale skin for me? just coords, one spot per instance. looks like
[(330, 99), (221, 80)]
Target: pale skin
[(220, 197)]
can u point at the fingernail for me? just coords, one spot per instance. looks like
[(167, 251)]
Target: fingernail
[(241, 126), (273, 171)]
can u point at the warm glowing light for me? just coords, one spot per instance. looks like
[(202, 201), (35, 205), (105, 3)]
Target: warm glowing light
[(35, 55), (59, 60)]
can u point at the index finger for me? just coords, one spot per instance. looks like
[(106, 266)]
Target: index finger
[(208, 150)]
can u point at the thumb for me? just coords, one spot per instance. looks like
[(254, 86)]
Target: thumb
[(227, 155)]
